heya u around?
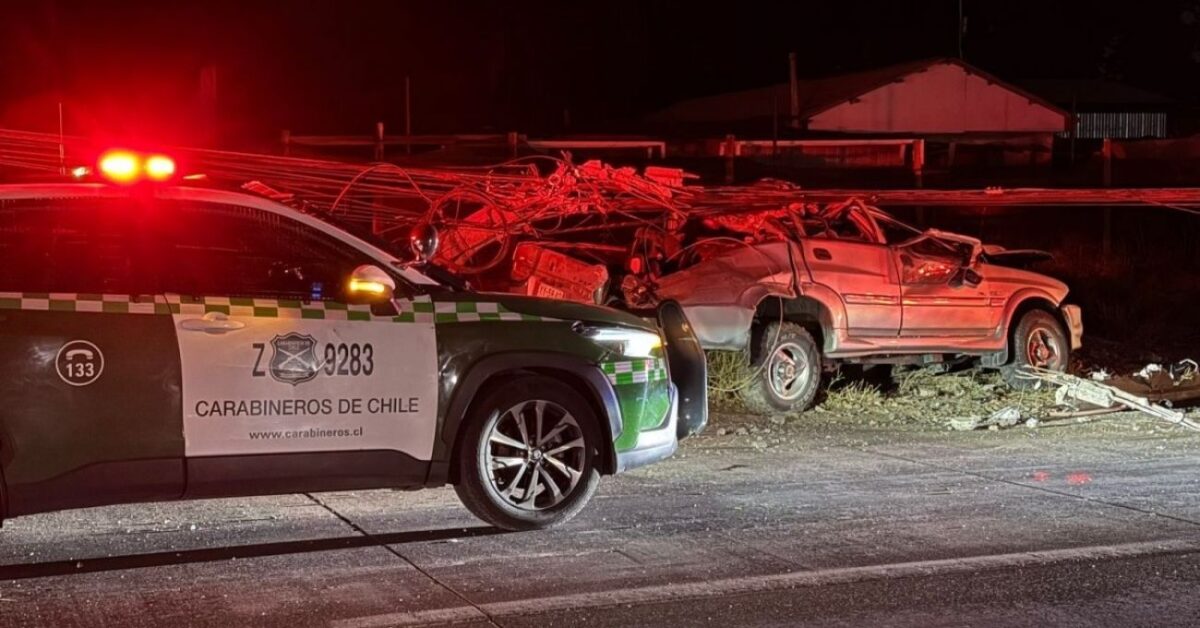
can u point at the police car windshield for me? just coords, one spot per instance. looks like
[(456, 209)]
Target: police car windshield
[(362, 232)]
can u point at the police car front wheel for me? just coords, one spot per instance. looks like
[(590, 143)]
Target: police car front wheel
[(528, 458)]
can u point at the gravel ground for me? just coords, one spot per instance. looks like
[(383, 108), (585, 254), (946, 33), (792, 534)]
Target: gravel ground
[(819, 519)]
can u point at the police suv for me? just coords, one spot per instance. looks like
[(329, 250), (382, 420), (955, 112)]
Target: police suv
[(162, 342)]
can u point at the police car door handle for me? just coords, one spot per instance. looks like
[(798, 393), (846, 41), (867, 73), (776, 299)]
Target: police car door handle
[(212, 323)]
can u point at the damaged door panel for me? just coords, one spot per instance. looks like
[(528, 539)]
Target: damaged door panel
[(944, 296), (844, 251), (863, 275)]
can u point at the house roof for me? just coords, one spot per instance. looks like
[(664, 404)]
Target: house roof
[(816, 95)]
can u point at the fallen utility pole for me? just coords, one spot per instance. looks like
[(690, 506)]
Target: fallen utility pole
[(1185, 199), (1105, 396)]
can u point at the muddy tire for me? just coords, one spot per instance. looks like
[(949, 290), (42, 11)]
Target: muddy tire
[(788, 371), (1038, 340), (529, 457)]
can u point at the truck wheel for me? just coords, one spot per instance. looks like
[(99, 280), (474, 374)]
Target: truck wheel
[(1038, 341), (789, 372), (528, 458)]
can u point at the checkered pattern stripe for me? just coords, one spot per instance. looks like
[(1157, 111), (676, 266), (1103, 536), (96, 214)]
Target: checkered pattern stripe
[(420, 310), (99, 303), (274, 308), (635, 371), (424, 310)]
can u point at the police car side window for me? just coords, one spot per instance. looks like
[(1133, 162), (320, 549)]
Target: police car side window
[(68, 246), (244, 252)]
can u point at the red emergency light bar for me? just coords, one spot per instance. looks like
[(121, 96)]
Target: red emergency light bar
[(127, 167)]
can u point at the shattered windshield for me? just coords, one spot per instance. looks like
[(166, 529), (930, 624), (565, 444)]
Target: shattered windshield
[(894, 231)]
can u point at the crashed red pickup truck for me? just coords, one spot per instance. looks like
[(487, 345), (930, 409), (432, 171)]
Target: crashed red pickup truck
[(847, 283), (805, 287)]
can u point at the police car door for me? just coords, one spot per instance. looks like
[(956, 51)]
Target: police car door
[(90, 408), (287, 385)]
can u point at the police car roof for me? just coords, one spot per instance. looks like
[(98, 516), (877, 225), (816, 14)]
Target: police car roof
[(35, 190)]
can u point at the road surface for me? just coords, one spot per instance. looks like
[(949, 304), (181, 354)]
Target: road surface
[(806, 524)]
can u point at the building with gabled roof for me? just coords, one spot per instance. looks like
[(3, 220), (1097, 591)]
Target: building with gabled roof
[(932, 97)]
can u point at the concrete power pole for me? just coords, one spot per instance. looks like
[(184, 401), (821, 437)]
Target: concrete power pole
[(407, 116), (962, 29), (794, 85)]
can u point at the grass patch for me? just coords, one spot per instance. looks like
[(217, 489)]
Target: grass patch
[(844, 396), (728, 372), (928, 396), (907, 396)]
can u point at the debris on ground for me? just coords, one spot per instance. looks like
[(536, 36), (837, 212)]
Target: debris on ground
[(971, 399), (966, 424), (1177, 374), (1076, 417), (1158, 377), (1105, 396), (1171, 384), (1002, 418), (1149, 371), (1184, 371)]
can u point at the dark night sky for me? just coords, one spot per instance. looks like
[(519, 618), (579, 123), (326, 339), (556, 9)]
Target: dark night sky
[(135, 67)]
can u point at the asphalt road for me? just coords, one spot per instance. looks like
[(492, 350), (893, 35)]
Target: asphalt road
[(812, 524)]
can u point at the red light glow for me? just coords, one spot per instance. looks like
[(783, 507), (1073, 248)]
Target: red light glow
[(120, 166), (159, 167)]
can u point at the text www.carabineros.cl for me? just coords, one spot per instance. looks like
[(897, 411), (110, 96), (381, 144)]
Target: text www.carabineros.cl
[(307, 433)]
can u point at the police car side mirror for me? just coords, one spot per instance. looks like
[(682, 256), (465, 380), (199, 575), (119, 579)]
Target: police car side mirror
[(370, 284), (424, 242)]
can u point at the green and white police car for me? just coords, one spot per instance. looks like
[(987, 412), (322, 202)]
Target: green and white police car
[(161, 342)]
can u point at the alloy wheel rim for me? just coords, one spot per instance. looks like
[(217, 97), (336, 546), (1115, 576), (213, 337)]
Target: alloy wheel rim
[(1042, 349), (534, 454), (787, 370)]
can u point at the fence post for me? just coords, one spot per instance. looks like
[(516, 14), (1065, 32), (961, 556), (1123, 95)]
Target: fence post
[(407, 116), (1106, 152), (918, 162), (285, 137), (730, 156), (378, 141), (513, 143)]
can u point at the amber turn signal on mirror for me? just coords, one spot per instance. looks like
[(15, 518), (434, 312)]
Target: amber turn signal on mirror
[(370, 283)]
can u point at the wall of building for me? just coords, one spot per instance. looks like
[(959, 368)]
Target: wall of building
[(943, 99)]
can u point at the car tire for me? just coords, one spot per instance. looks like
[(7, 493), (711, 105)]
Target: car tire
[(1038, 340), (503, 481), (787, 372)]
